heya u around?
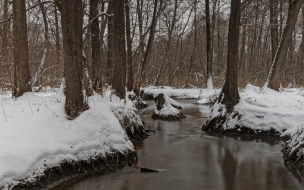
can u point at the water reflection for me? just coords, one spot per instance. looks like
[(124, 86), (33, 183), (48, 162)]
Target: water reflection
[(188, 158)]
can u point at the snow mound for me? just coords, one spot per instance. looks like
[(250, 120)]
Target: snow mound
[(129, 119), (208, 96), (167, 108), (35, 134)]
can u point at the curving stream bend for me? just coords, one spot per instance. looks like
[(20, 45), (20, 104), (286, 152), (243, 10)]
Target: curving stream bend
[(189, 158)]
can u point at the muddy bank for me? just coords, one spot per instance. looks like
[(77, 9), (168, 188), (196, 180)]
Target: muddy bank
[(131, 123), (67, 170), (293, 151)]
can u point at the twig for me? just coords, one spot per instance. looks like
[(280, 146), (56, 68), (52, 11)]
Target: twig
[(30, 104), (4, 113), (51, 110), (96, 17)]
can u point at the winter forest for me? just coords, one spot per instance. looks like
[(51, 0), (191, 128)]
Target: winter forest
[(151, 94)]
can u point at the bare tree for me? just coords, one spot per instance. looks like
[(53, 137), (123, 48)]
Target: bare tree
[(96, 48), (21, 52), (229, 94), (130, 80), (273, 79), (72, 56), (209, 47), (148, 50), (119, 57)]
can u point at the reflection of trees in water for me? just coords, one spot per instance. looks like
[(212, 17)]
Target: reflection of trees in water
[(248, 166)]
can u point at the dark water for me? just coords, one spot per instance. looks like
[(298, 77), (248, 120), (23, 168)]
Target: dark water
[(189, 158)]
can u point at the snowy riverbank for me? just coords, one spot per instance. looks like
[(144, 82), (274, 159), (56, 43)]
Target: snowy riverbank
[(36, 136), (263, 112)]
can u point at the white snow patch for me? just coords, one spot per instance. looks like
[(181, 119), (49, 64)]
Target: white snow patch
[(172, 92), (35, 134), (264, 109)]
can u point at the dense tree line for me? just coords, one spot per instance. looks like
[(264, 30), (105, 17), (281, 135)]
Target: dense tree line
[(134, 43)]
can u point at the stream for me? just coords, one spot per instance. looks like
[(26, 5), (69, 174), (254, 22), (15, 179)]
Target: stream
[(188, 158)]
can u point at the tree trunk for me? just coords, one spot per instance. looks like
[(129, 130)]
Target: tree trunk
[(21, 52), (274, 27), (149, 48), (209, 47), (96, 48), (110, 52), (129, 47), (72, 56), (4, 46), (119, 81), (230, 95), (273, 79), (57, 38)]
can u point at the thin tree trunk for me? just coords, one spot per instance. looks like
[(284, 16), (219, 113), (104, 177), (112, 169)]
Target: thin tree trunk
[(57, 38), (148, 50), (209, 47), (96, 48), (72, 55), (274, 27), (4, 46), (130, 80), (111, 46), (21, 52)]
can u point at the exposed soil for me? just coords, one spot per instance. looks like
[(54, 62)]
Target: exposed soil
[(67, 170)]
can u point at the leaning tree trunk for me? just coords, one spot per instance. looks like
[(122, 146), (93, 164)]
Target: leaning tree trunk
[(72, 56), (273, 79), (148, 50), (230, 95), (119, 81), (96, 48), (21, 52)]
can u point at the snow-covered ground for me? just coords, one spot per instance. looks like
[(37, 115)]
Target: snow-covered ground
[(172, 92), (35, 134), (265, 110)]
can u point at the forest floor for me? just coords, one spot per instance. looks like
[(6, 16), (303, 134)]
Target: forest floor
[(36, 138)]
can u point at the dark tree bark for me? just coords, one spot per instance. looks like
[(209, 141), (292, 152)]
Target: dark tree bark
[(119, 81), (209, 46), (274, 78), (96, 48), (4, 46), (148, 50), (21, 52), (130, 80), (110, 52), (71, 21), (230, 95)]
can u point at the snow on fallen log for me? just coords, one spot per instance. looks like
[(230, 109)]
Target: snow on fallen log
[(129, 119), (167, 108), (150, 92)]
